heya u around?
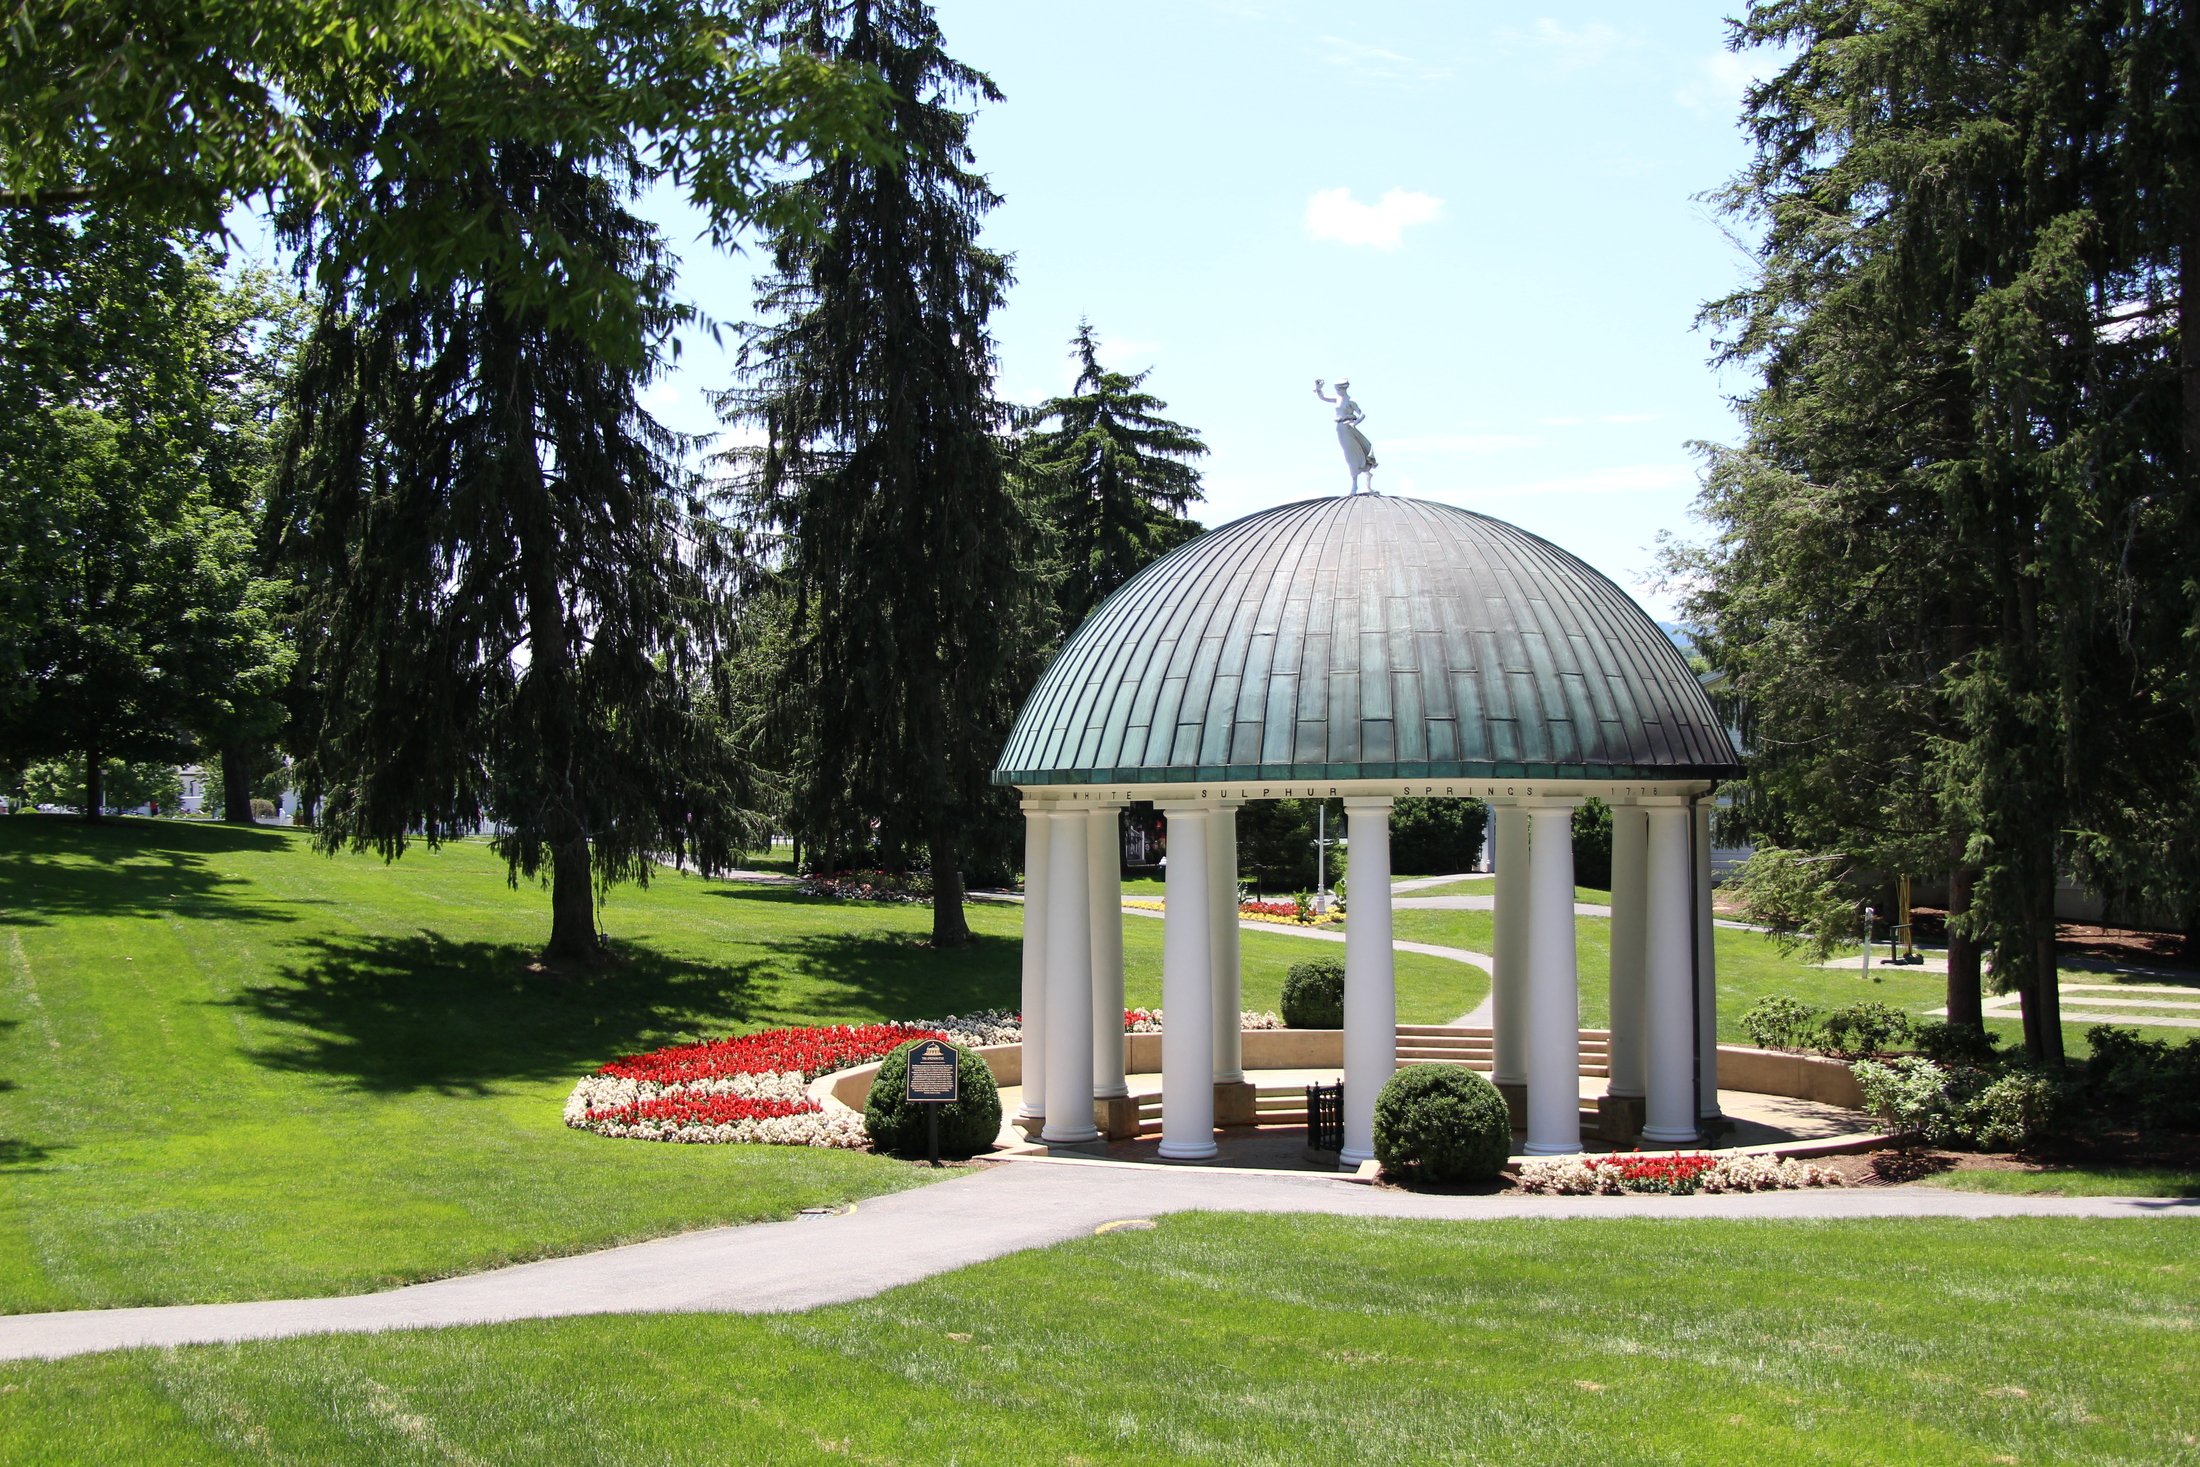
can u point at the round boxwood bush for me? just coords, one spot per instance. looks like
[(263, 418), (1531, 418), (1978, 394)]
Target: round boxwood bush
[(1438, 1125), (1313, 995), (968, 1125)]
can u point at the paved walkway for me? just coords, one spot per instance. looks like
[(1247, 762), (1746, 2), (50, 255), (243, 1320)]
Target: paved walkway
[(888, 1241)]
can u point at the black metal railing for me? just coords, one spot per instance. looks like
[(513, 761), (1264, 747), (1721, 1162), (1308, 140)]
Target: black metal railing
[(1325, 1117)]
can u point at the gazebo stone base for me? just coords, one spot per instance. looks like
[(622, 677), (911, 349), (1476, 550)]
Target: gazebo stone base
[(1516, 1101), (1116, 1116), (1620, 1118), (1234, 1103)]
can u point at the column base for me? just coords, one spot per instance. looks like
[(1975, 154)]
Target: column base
[(1619, 1117), (1030, 1125), (1187, 1151), (1658, 1136), (1116, 1116), (1234, 1103), (1068, 1135), (1547, 1148), (1113, 1092), (1516, 1100), (1349, 1159)]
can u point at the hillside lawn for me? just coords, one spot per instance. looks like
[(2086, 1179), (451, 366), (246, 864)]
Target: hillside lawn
[(233, 1068), (1289, 1339)]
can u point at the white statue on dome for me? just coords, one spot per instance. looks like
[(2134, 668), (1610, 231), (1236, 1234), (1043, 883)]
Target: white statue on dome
[(1359, 454)]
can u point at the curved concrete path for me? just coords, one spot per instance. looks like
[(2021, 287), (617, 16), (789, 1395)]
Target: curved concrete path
[(898, 1239)]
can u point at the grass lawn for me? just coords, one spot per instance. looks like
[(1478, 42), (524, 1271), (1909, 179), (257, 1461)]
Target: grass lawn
[(1264, 1339), (231, 1068), (2071, 1181), (1487, 886), (1752, 967)]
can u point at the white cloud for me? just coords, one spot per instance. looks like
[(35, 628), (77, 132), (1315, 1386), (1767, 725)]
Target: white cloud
[(1630, 417), (1558, 422), (1631, 479), (1566, 48), (1334, 214), (1378, 63), (1457, 443), (1720, 78)]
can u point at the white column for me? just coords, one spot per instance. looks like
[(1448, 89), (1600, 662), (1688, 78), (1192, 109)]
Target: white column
[(1104, 863), (1630, 837), (1707, 973), (1187, 1001), (1222, 880), (1509, 985), (1034, 1049), (1554, 984), (1670, 986), (1069, 982), (1370, 974)]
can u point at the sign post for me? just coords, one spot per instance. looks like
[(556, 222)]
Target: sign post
[(934, 1079)]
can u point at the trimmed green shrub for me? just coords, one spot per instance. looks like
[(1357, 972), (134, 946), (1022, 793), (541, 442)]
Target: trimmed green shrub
[(1784, 1023), (1437, 1125), (1866, 1028), (1957, 1044), (2018, 1109), (2148, 1083), (1962, 1106), (1313, 995), (968, 1125)]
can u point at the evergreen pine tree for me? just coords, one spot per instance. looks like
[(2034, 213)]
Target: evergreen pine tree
[(882, 490), (1948, 581), (512, 597), (1115, 477)]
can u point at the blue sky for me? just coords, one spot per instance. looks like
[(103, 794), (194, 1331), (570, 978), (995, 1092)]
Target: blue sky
[(1483, 216)]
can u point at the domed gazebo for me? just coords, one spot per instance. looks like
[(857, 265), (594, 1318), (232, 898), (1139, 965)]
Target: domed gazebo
[(1368, 647)]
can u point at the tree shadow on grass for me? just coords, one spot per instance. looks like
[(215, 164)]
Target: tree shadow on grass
[(422, 1012), (54, 867), (901, 976)]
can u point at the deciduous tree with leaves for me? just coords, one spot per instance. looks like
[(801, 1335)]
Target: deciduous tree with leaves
[(133, 434)]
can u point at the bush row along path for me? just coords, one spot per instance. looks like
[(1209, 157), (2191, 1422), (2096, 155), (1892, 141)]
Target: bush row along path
[(898, 1239)]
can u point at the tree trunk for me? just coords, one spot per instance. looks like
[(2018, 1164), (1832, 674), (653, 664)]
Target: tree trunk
[(1966, 1007), (2037, 986), (2048, 994), (572, 906), (95, 786), (949, 927), (237, 785)]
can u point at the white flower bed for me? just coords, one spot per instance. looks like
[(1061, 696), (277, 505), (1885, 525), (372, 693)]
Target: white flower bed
[(1610, 1176)]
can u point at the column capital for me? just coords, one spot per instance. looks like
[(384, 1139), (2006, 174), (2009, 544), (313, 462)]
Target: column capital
[(1665, 802), (1369, 802), (1191, 804), (1533, 803), (1033, 805)]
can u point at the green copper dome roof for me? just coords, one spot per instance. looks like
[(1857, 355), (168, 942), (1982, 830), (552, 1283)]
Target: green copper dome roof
[(1366, 637)]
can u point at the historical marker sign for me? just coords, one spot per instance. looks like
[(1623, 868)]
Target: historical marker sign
[(935, 1072)]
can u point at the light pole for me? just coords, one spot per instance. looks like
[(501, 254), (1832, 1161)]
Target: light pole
[(1322, 843)]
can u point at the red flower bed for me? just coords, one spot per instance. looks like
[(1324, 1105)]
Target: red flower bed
[(1657, 1172), (1270, 909), (705, 1110), (813, 1052)]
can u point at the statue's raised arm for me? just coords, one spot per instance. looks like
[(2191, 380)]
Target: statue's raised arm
[(1359, 454)]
